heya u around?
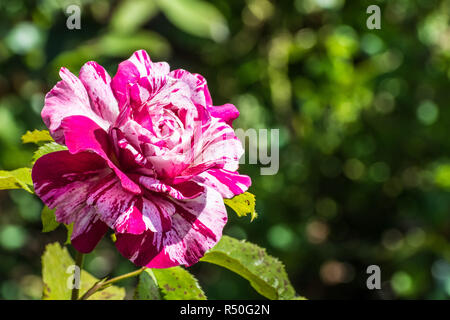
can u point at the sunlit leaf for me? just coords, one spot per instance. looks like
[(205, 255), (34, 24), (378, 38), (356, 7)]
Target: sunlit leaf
[(243, 205), (48, 219), (36, 136), (74, 59), (16, 179), (122, 45), (112, 45), (265, 273), (46, 149), (196, 17), (131, 14), (69, 228), (57, 276), (168, 284)]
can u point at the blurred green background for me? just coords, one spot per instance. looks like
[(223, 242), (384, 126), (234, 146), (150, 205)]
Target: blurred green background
[(364, 131)]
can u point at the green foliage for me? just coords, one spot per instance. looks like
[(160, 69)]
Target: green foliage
[(49, 223), (147, 287), (48, 219), (168, 284), (441, 175), (177, 283), (196, 17), (36, 136), (131, 14), (265, 273), (69, 228), (55, 275), (243, 205), (16, 179), (113, 45), (119, 45), (46, 149)]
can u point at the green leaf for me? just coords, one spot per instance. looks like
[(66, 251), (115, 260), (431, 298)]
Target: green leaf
[(265, 273), (36, 136), (147, 287), (178, 284), (168, 284), (132, 14), (46, 149), (243, 205), (69, 233), (196, 17), (121, 45), (75, 58), (55, 263), (16, 179), (48, 219)]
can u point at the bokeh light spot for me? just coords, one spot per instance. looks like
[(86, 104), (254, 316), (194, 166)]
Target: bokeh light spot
[(427, 112), (12, 237)]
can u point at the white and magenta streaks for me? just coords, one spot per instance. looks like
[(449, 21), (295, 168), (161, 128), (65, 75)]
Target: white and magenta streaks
[(149, 156)]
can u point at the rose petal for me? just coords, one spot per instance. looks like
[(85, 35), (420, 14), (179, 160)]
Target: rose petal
[(196, 227), (227, 113), (96, 140), (88, 230), (197, 84), (127, 212), (97, 83), (130, 156), (216, 147), (63, 181), (184, 190), (67, 98), (130, 71), (228, 183)]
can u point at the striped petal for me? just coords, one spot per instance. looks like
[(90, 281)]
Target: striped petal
[(184, 190), (227, 112), (69, 97), (88, 230), (130, 71), (228, 183), (126, 212), (93, 139), (63, 181), (217, 147), (196, 227), (98, 86)]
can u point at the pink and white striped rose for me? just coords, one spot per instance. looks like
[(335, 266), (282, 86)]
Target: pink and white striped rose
[(149, 157)]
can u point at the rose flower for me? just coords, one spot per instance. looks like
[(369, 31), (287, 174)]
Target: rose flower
[(149, 157)]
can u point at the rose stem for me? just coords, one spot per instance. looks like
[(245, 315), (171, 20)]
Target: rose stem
[(102, 284)]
